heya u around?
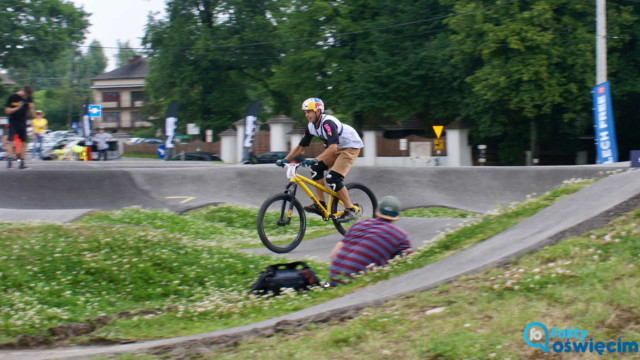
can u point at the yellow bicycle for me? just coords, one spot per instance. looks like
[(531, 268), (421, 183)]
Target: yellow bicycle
[(282, 221)]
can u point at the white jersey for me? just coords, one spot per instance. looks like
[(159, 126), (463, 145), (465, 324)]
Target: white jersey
[(345, 136)]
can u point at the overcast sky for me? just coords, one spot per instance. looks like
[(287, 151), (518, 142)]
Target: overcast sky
[(118, 20)]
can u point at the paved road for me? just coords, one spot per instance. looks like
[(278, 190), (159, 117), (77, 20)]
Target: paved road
[(475, 189)]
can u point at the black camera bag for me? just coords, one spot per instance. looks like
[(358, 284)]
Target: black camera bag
[(296, 275)]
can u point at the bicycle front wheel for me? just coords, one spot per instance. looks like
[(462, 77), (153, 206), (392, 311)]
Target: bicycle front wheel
[(359, 195), (281, 223)]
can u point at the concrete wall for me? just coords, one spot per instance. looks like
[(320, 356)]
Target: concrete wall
[(228, 148), (278, 136)]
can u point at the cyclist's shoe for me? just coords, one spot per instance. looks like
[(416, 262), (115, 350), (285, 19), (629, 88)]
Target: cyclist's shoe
[(314, 209), (349, 215)]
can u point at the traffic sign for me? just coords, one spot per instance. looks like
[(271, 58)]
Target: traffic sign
[(438, 130), (161, 151), (439, 144), (95, 110)]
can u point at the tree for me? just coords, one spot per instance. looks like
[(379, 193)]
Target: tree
[(396, 65), (532, 67), (31, 29), (624, 72), (94, 62), (125, 53), (518, 72), (62, 84), (378, 62), (197, 57)]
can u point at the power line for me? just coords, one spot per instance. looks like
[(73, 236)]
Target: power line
[(227, 53), (334, 35), (241, 47)]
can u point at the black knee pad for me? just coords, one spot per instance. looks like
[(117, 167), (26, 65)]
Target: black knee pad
[(334, 180), (317, 170)]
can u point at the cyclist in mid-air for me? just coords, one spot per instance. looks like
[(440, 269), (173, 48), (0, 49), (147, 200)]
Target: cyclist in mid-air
[(343, 146)]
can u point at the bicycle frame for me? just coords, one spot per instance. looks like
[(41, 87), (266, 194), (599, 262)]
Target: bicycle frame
[(296, 180)]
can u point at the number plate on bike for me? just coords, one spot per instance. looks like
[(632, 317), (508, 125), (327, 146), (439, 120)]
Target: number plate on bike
[(291, 172)]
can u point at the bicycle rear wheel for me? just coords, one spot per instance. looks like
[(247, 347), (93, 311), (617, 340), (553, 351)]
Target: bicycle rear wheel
[(281, 223), (360, 195)]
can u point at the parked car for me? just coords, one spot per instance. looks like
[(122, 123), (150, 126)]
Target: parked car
[(271, 157), (51, 138), (152, 141), (134, 140), (49, 149), (196, 156)]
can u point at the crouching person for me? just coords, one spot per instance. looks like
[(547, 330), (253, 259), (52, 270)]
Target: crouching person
[(370, 241)]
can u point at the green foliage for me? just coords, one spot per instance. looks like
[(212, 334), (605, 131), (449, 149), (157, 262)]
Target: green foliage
[(145, 133), (225, 225), (62, 83), (125, 53), (39, 28), (201, 41), (55, 274), (518, 73), (90, 64), (437, 212), (54, 103), (532, 63)]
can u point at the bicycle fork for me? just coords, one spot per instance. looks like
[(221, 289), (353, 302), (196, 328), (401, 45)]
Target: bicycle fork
[(287, 211)]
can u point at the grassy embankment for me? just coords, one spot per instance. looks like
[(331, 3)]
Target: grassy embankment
[(134, 274), (590, 282)]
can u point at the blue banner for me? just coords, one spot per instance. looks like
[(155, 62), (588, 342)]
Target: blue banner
[(605, 131)]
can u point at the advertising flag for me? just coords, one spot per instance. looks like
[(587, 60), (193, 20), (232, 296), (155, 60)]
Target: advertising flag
[(605, 131), (86, 126), (170, 125), (88, 140), (250, 120)]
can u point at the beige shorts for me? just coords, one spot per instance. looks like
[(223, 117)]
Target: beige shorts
[(342, 160)]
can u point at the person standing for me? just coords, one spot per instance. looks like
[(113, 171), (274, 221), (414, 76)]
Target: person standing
[(18, 106), (5, 137), (370, 241), (101, 138), (39, 125)]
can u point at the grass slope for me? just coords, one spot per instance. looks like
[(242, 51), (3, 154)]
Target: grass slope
[(134, 274), (588, 282)]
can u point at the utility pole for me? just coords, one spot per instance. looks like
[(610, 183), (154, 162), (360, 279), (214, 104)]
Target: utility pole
[(601, 41)]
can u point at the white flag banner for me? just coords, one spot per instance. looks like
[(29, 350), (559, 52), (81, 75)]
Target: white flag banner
[(250, 122), (171, 123)]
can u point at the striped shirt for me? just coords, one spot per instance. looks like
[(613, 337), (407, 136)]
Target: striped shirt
[(370, 241)]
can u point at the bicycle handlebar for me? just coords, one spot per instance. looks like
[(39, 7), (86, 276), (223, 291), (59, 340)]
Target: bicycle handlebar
[(297, 164)]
